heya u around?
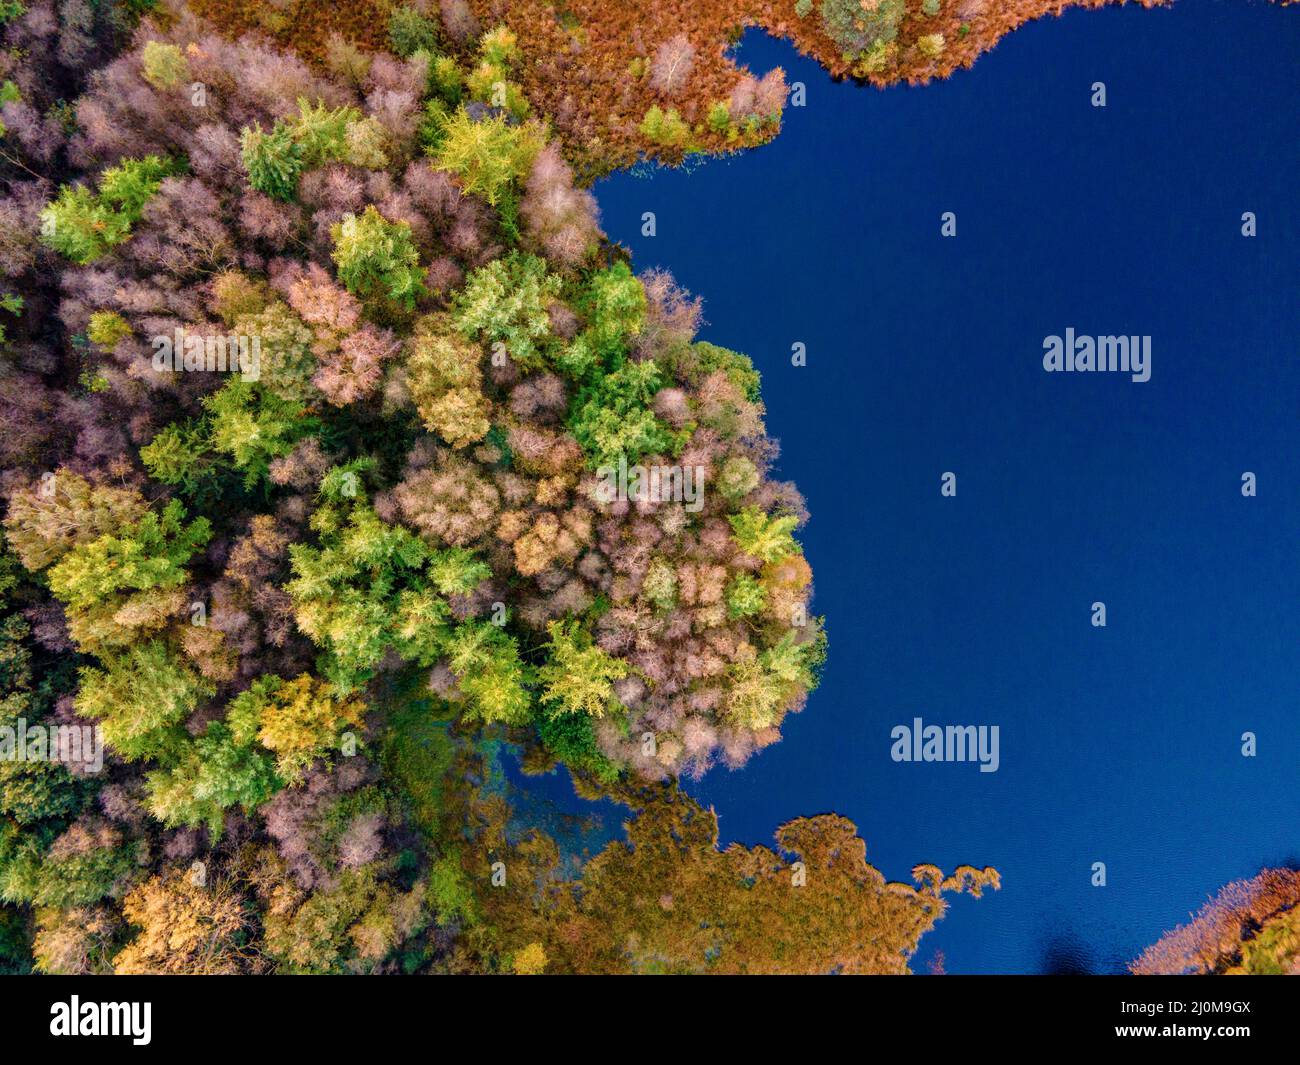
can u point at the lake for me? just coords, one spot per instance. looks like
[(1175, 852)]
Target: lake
[(1119, 744)]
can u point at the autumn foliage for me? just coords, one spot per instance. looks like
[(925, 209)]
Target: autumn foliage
[(619, 81), (317, 374), (1249, 926)]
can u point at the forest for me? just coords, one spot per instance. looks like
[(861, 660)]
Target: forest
[(315, 575), (623, 82), (310, 373)]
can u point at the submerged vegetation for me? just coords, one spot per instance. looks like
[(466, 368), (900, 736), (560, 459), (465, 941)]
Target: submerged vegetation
[(306, 574)]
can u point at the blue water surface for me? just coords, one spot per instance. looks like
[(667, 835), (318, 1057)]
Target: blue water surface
[(1120, 744)]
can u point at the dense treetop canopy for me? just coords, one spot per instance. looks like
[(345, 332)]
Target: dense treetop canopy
[(342, 450)]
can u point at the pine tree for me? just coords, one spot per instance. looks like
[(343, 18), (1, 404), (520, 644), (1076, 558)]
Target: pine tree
[(376, 258), (490, 156), (445, 381), (82, 225), (578, 677), (215, 773), (140, 696), (766, 538), (128, 581), (274, 160), (490, 674), (298, 720), (506, 302)]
